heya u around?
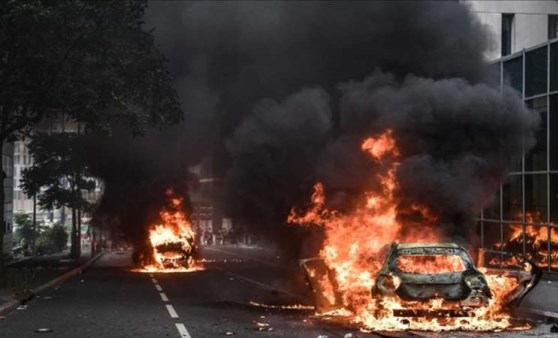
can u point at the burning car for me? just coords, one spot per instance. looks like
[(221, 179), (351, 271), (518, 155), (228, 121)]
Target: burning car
[(171, 244), (430, 280), (421, 272), (179, 254), (355, 278)]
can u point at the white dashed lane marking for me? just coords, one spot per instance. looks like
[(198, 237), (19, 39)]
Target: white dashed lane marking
[(182, 330), (172, 312)]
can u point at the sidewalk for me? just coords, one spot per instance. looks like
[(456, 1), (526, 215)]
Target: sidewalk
[(544, 297), (28, 273)]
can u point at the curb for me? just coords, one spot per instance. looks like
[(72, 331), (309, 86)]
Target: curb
[(19, 260), (4, 309), (545, 314)]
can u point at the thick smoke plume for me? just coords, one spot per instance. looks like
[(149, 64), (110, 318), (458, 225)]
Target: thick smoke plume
[(283, 93), (456, 140)]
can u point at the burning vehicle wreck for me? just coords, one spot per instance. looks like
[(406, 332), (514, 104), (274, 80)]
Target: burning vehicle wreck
[(178, 254), (429, 280), (424, 284), (171, 245), (420, 272)]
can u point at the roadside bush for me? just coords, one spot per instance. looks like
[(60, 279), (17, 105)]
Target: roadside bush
[(24, 232), (56, 238)]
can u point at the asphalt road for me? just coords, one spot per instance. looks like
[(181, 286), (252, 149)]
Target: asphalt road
[(110, 300)]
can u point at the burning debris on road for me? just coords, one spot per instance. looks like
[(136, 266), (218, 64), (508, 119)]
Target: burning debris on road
[(536, 242), (172, 244), (301, 307)]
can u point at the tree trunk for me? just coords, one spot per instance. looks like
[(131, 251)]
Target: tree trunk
[(2, 220), (34, 245), (73, 249), (78, 232), (101, 243), (93, 232)]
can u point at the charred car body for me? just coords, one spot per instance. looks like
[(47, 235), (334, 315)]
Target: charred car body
[(178, 254), (416, 273), (420, 272)]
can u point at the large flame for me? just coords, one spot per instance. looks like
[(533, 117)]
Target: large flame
[(352, 250), (535, 238), (173, 241)]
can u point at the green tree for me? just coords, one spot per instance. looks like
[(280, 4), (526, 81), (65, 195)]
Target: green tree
[(88, 60), (60, 168), (25, 234), (55, 238)]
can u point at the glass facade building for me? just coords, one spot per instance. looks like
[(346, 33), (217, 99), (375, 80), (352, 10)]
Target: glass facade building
[(524, 215)]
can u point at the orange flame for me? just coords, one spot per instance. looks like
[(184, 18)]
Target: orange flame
[(172, 242), (536, 238), (430, 264), (354, 242)]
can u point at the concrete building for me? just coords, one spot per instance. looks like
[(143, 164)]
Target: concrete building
[(23, 160), (7, 165), (524, 214), (515, 25)]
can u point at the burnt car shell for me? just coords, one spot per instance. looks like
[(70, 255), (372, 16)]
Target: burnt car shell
[(175, 256), (466, 286)]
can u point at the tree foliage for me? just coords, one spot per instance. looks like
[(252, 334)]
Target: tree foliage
[(54, 239), (90, 60), (24, 230), (60, 168)]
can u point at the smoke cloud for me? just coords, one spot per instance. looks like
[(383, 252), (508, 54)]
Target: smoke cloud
[(284, 93), (456, 140)]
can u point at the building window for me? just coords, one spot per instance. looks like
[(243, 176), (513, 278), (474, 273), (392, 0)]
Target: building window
[(554, 66), (512, 199), (495, 72), (535, 198), (536, 159), (553, 125), (552, 26), (492, 210), (513, 74), (535, 71), (554, 198), (507, 26)]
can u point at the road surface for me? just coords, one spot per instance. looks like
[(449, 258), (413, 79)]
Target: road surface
[(110, 300)]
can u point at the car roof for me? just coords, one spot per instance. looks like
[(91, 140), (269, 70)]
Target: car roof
[(428, 245)]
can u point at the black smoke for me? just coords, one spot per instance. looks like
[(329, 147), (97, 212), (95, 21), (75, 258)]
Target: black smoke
[(282, 93), (456, 140)]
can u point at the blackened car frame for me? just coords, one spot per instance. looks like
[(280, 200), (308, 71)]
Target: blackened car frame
[(415, 273)]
